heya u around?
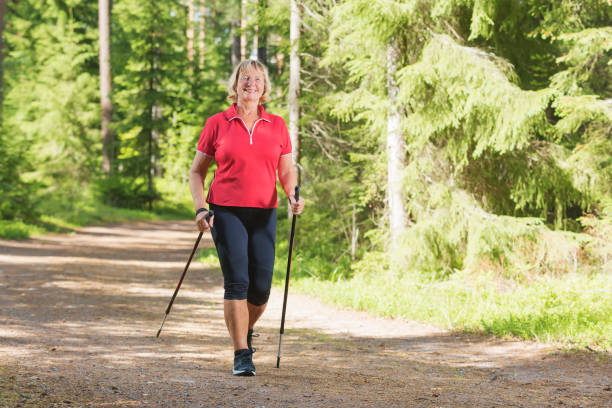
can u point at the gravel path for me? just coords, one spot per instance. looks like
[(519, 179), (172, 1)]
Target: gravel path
[(79, 313)]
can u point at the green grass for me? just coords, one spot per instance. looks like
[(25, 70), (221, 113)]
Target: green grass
[(18, 230), (575, 309), (58, 216), (208, 257)]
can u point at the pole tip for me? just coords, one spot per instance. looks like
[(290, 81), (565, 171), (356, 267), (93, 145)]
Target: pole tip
[(162, 325), (277, 362)]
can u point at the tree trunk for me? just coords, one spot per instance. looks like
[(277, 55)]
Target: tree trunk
[(2, 13), (294, 84), (255, 41), (262, 43), (202, 34), (105, 85), (243, 26), (235, 43), (190, 30), (156, 117), (150, 166), (395, 155)]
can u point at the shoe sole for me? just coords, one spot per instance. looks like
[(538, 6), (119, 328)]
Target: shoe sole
[(243, 373)]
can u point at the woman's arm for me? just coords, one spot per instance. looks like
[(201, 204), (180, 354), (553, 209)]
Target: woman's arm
[(288, 178), (197, 175)]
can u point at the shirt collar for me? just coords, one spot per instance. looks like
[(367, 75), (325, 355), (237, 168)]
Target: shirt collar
[(231, 113)]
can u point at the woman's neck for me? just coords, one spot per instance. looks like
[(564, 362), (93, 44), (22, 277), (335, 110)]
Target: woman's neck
[(247, 110)]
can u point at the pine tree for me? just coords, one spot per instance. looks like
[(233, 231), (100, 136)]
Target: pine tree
[(154, 73), (372, 56), (52, 95), (485, 135)]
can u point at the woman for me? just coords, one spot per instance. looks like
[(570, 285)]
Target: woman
[(249, 146)]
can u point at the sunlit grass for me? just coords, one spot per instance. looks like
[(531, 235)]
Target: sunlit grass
[(208, 257), (573, 309), (85, 214), (61, 214), (17, 229)]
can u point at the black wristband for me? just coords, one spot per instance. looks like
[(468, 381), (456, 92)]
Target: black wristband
[(200, 210)]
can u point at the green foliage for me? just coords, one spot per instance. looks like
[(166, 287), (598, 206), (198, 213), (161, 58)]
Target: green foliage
[(16, 195), (599, 247), (51, 103), (17, 230), (483, 24), (59, 215), (585, 126), (125, 192), (472, 100), (208, 257), (455, 234), (470, 126), (588, 55), (319, 252), (506, 137), (566, 16), (145, 92), (162, 99)]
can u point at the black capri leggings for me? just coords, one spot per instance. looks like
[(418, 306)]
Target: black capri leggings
[(245, 238)]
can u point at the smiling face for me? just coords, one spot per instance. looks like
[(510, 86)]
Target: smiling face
[(249, 83), (250, 86)]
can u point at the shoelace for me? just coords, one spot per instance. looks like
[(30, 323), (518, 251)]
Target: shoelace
[(253, 335)]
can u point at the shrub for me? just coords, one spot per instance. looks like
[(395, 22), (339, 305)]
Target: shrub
[(125, 192)]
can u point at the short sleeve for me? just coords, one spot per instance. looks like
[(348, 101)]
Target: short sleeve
[(206, 144), (286, 139)]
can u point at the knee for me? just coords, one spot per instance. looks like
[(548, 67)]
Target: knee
[(258, 297)]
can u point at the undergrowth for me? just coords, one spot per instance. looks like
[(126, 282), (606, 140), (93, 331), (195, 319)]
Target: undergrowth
[(574, 309), (535, 283), (58, 213)]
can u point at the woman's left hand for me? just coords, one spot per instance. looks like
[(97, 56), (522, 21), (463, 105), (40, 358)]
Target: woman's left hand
[(296, 207)]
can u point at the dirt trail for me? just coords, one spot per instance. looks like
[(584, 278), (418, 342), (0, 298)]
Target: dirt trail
[(79, 313)]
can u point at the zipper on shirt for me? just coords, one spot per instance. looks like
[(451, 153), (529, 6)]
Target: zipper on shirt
[(247, 129)]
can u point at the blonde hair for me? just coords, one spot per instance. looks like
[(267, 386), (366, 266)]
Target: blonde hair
[(246, 66)]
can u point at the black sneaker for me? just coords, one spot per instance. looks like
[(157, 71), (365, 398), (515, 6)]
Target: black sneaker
[(243, 363), (250, 336)]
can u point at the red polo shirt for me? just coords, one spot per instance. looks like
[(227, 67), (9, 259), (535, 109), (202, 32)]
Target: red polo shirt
[(247, 162)]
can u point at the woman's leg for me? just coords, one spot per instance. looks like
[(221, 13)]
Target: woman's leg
[(255, 313), (237, 321), (231, 239), (261, 248)]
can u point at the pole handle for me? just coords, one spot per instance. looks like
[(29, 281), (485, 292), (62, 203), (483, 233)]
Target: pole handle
[(297, 193)]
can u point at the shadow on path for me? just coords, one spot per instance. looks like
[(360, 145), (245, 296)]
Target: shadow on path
[(79, 313)]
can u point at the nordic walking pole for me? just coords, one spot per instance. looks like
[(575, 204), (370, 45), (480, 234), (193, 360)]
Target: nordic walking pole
[(178, 286), (282, 327)]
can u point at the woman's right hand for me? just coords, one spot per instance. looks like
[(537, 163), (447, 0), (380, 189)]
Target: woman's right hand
[(202, 223)]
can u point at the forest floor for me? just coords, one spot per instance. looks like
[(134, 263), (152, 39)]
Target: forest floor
[(79, 314)]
